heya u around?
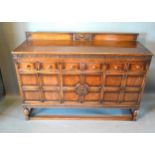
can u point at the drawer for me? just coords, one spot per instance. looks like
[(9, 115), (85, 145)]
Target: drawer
[(27, 66), (93, 66), (33, 66), (137, 67), (116, 67), (134, 67), (71, 66), (49, 66)]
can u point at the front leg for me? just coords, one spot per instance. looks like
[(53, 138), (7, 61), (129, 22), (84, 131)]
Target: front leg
[(135, 113), (26, 113)]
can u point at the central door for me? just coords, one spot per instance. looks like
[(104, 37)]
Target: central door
[(82, 82)]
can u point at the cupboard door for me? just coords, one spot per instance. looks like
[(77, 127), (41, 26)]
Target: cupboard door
[(131, 96), (70, 96), (49, 79), (134, 81), (92, 96), (111, 97), (71, 80), (32, 95), (113, 80), (123, 83), (93, 80), (51, 95), (28, 79)]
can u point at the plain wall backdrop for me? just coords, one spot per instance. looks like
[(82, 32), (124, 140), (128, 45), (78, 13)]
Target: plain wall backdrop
[(12, 34)]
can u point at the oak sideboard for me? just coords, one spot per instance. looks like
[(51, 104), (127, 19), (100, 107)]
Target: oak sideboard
[(81, 71)]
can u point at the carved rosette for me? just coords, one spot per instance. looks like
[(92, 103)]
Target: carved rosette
[(82, 89), (82, 36)]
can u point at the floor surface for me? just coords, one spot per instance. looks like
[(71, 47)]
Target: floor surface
[(12, 120)]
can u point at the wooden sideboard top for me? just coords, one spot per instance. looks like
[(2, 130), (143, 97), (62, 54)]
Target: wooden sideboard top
[(82, 43)]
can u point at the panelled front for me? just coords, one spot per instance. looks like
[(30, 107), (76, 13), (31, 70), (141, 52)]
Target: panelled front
[(82, 82)]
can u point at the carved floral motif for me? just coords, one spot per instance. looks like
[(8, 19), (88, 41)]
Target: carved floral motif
[(82, 36), (82, 89)]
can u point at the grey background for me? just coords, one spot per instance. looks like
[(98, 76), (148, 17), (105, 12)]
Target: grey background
[(12, 34)]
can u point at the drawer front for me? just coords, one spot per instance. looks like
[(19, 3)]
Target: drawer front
[(81, 82), (71, 80), (50, 95), (93, 80), (70, 66), (49, 79), (136, 67), (93, 66), (27, 66), (48, 66), (32, 95), (28, 79), (118, 67)]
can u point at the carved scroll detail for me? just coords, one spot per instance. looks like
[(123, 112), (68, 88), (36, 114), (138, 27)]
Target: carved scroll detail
[(82, 89)]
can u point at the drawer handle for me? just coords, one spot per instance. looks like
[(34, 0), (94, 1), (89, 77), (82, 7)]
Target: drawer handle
[(138, 66), (50, 67), (116, 67), (94, 67), (72, 67), (28, 66)]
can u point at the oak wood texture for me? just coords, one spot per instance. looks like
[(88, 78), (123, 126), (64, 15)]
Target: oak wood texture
[(62, 117), (81, 70)]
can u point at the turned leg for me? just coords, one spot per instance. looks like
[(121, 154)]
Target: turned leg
[(135, 113), (27, 113)]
